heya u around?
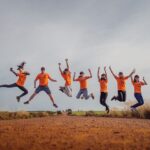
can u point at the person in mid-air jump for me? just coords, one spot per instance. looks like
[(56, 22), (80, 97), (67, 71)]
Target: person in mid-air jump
[(121, 83), (22, 75), (103, 80), (82, 79), (66, 74), (43, 78)]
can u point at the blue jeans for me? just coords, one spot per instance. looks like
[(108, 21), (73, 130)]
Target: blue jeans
[(140, 100), (43, 88), (83, 92)]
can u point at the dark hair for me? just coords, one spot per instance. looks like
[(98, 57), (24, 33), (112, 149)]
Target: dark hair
[(81, 72), (42, 68), (136, 76), (120, 73), (65, 70), (103, 75)]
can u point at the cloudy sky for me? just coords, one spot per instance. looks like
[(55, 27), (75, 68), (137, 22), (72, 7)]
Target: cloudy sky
[(90, 33)]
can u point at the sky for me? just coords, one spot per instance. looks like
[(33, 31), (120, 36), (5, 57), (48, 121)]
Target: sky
[(90, 33)]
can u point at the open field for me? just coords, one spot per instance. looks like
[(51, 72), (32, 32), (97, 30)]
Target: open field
[(75, 133)]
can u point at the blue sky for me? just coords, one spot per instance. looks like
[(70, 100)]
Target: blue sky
[(90, 33)]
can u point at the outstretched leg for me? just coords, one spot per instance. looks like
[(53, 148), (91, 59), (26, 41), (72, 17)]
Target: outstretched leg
[(8, 85), (32, 96), (52, 99)]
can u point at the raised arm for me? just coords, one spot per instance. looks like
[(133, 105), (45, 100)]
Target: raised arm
[(98, 73), (112, 72), (59, 64), (145, 81), (90, 73), (11, 69), (74, 77), (105, 72), (68, 67), (132, 79), (131, 73)]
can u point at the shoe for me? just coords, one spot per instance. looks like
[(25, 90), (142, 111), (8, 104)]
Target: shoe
[(133, 109), (27, 102), (113, 98), (92, 95), (107, 110), (62, 89), (55, 105), (18, 99)]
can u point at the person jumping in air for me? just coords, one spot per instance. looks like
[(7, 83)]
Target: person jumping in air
[(43, 78), (83, 86), (66, 74), (103, 80), (121, 82), (137, 84), (22, 75)]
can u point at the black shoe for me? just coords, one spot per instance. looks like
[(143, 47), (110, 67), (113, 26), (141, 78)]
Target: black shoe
[(113, 98), (18, 99), (27, 102), (55, 105), (62, 89), (107, 110)]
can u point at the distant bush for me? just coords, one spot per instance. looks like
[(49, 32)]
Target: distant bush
[(69, 111), (59, 112)]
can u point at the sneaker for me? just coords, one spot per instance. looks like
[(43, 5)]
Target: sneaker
[(55, 105), (27, 102), (107, 110), (92, 95), (133, 109), (113, 98), (18, 99), (62, 89)]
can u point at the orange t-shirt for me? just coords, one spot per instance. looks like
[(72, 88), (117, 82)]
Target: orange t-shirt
[(43, 79), (22, 78), (137, 86), (83, 82), (67, 78), (121, 82), (104, 86)]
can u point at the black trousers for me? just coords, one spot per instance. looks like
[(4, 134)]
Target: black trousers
[(121, 96), (25, 91), (103, 98)]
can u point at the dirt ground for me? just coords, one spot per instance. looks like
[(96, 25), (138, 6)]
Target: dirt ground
[(75, 133)]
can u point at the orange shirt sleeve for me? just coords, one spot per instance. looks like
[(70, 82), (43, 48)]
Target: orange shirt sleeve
[(142, 83), (49, 76), (126, 78)]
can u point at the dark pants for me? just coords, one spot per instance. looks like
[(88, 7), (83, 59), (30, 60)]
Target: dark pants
[(25, 91), (140, 100), (103, 98), (121, 96)]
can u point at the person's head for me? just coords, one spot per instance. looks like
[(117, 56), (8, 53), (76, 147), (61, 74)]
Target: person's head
[(66, 71), (121, 75), (103, 76), (81, 74), (42, 69), (136, 78), (21, 66)]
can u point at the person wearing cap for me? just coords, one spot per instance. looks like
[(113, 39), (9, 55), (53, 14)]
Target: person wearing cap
[(43, 78), (121, 84), (22, 75), (66, 74), (82, 79), (137, 84)]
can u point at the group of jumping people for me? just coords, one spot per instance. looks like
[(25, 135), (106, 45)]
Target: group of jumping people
[(83, 93)]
